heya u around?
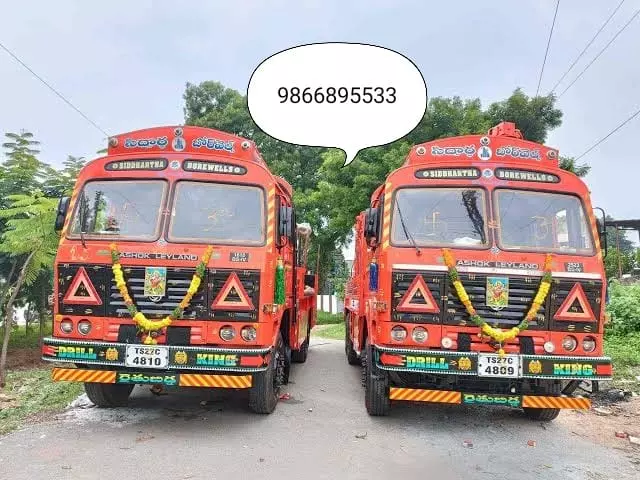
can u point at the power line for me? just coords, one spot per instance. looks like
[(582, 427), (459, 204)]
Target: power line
[(548, 43), (633, 17), (609, 134), (586, 48), (53, 89)]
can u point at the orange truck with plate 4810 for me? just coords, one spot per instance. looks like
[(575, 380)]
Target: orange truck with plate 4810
[(180, 264), (479, 280)]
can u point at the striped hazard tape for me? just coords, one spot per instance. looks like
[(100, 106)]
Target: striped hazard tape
[(577, 403), (215, 381), (81, 375), (419, 395)]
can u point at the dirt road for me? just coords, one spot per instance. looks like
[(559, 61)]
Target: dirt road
[(323, 431)]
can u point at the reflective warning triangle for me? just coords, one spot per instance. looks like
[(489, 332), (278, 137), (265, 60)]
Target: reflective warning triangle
[(564, 312), (81, 291), (232, 296), (417, 291)]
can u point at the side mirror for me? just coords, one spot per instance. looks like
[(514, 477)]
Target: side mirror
[(285, 224), (602, 231), (63, 206), (371, 223)]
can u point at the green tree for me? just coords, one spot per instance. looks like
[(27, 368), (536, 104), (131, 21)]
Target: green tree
[(569, 164), (534, 117), (31, 240), (58, 183)]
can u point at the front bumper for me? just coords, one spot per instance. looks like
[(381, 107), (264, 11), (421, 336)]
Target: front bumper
[(180, 358), (545, 367)]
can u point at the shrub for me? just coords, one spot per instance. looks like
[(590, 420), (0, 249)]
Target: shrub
[(624, 308)]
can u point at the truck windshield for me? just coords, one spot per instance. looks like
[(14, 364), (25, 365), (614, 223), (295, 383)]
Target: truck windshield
[(119, 208), (549, 222), (440, 216), (218, 213)]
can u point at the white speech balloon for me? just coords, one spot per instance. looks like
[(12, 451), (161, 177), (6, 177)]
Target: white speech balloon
[(350, 126)]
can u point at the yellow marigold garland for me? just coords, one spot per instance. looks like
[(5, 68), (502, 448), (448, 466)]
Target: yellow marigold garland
[(497, 334), (147, 326)]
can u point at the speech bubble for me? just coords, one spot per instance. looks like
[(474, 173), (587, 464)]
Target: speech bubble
[(345, 95)]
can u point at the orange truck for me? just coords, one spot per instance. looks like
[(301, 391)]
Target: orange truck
[(478, 279), (180, 264)]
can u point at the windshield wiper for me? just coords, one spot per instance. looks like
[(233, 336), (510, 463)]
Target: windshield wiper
[(407, 234), (470, 202), (83, 202)]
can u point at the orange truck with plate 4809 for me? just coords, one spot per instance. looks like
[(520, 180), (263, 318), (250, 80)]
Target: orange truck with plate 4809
[(180, 264), (478, 279)]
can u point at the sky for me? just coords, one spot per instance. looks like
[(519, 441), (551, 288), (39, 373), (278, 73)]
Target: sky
[(125, 64)]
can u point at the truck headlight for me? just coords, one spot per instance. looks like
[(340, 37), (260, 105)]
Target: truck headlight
[(569, 343), (399, 333), (248, 333), (227, 333), (66, 325), (419, 334), (84, 327), (589, 344)]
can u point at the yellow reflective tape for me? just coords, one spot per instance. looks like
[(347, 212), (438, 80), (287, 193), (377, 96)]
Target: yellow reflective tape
[(215, 381)]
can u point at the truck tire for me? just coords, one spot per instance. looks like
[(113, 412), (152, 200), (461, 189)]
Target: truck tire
[(545, 414), (300, 356), (376, 386), (542, 414), (108, 395), (265, 386), (352, 356)]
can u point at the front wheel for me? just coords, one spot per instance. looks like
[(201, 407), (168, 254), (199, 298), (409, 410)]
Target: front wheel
[(265, 387), (108, 395), (376, 385)]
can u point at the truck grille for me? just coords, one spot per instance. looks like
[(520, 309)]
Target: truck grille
[(522, 290), (178, 280)]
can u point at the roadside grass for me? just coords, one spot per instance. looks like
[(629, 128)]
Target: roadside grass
[(325, 318), (21, 338), (334, 331), (624, 351), (32, 392)]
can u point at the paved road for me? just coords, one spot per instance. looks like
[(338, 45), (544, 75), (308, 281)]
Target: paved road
[(311, 436)]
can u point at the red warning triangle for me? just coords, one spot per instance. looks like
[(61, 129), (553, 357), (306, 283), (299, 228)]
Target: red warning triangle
[(81, 291), (418, 298), (569, 311), (232, 296)]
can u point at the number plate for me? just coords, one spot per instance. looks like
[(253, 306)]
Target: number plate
[(143, 356), (491, 365)]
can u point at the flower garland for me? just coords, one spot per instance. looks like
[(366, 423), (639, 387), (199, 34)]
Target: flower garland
[(497, 334), (144, 324)]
